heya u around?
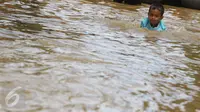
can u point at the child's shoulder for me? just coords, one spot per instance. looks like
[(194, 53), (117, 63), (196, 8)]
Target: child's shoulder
[(162, 25), (144, 22)]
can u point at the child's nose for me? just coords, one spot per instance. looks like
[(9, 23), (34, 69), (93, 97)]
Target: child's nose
[(154, 17)]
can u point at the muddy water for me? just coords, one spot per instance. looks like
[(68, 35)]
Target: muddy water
[(91, 56)]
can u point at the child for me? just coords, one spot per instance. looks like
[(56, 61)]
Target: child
[(154, 20)]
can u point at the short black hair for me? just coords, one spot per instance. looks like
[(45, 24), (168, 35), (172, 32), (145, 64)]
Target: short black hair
[(158, 6)]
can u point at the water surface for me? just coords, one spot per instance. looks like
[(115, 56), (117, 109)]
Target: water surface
[(91, 56)]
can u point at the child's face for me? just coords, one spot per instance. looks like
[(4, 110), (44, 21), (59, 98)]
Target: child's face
[(154, 17)]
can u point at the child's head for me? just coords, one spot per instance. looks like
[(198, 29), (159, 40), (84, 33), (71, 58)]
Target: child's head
[(155, 14)]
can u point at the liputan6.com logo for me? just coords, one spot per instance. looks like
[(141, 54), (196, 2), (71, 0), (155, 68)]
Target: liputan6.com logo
[(10, 98)]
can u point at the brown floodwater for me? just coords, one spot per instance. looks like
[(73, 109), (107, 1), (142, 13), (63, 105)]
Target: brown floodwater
[(92, 56)]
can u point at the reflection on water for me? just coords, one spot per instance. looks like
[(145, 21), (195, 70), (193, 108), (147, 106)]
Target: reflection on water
[(27, 27), (78, 56)]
